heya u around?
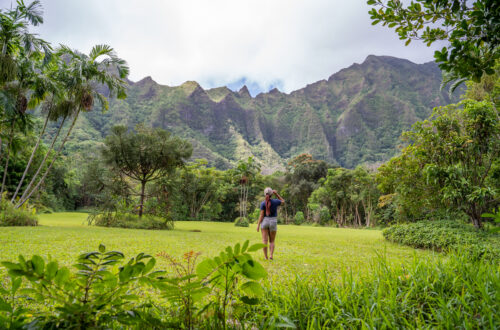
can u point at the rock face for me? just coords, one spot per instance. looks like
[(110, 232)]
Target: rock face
[(354, 117)]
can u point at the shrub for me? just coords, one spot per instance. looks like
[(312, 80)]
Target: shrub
[(10, 216), (129, 220), (104, 291), (324, 216), (299, 218), (445, 235), (241, 222)]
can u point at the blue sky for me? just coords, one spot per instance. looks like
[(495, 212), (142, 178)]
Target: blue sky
[(263, 43)]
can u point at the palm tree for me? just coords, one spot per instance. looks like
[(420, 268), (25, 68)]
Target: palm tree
[(82, 77), (19, 52), (245, 173)]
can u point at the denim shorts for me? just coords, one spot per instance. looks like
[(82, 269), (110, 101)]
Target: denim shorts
[(270, 223)]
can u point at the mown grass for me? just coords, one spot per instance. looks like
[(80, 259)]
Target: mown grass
[(299, 249)]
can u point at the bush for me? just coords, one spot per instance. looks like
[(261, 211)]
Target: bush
[(10, 216), (445, 235), (129, 220), (324, 216), (299, 218), (105, 291), (241, 222)]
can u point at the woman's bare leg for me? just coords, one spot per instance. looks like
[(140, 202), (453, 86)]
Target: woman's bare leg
[(272, 236), (265, 238)]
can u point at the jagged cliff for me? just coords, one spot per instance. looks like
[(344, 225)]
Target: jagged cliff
[(355, 116)]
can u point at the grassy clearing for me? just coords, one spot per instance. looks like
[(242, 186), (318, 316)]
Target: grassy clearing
[(300, 249)]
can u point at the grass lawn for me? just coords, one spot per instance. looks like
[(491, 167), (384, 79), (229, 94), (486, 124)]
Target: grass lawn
[(299, 249)]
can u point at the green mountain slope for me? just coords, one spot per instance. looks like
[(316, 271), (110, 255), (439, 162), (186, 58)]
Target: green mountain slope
[(354, 117)]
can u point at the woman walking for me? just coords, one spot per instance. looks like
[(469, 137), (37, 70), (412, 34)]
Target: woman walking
[(268, 220)]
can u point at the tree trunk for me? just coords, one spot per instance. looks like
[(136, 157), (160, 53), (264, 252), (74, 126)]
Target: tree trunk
[(7, 161), (33, 179), (31, 158), (141, 205), (22, 201)]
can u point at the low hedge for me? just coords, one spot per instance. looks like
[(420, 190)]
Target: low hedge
[(445, 235), (241, 222), (10, 216), (129, 220)]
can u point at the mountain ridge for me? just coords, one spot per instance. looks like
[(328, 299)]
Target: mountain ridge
[(354, 117)]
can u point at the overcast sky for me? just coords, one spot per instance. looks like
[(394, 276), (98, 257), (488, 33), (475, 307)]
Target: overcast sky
[(264, 43)]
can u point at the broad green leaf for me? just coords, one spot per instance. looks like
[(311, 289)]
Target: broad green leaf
[(245, 246), (51, 270), (11, 265), (62, 276), (252, 288), (256, 247), (102, 248), (237, 249), (205, 268), (125, 273), (253, 270), (249, 301), (149, 266), (38, 264), (16, 283)]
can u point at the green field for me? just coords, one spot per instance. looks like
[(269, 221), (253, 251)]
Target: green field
[(299, 249)]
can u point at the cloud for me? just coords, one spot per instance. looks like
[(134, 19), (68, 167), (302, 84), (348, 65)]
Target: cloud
[(284, 43)]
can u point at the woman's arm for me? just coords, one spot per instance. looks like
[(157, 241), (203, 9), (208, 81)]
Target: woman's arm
[(260, 219), (279, 197)]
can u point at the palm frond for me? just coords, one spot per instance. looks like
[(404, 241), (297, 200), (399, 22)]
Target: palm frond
[(100, 50)]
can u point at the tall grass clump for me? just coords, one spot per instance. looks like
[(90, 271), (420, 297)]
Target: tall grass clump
[(446, 235), (10, 216), (446, 294)]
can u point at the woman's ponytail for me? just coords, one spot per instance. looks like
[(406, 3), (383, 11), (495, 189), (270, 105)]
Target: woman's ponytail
[(268, 205)]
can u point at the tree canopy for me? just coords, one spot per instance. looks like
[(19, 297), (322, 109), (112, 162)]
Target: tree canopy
[(472, 29)]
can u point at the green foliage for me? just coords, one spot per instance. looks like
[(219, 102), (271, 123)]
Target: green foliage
[(445, 235), (10, 216), (122, 219), (231, 277), (299, 218), (302, 176), (349, 195), (472, 29), (101, 295), (449, 165), (241, 222), (447, 294), (95, 295), (144, 155)]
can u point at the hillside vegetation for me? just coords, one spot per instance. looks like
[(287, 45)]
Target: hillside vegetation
[(355, 117)]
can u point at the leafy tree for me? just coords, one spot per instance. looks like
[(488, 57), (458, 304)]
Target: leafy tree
[(472, 29), (145, 154), (451, 161), (350, 195), (82, 79), (303, 174)]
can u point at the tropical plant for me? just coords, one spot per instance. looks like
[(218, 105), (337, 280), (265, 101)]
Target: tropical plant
[(233, 269), (245, 172), (82, 77), (472, 29), (95, 295)]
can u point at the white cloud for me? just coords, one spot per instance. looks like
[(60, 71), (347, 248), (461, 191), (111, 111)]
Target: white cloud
[(289, 43)]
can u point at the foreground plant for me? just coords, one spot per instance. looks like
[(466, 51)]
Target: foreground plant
[(214, 285), (97, 294)]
